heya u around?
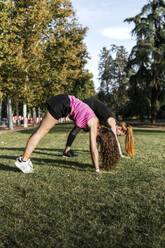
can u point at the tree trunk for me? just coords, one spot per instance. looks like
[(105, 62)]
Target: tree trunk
[(17, 113), (154, 105), (34, 115), (39, 113), (0, 111), (25, 115), (10, 115)]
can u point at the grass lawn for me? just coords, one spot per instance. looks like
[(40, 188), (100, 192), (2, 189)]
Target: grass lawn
[(66, 204)]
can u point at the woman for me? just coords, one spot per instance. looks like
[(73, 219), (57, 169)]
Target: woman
[(57, 107), (106, 118)]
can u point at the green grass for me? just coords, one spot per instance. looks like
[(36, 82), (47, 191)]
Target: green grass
[(66, 204)]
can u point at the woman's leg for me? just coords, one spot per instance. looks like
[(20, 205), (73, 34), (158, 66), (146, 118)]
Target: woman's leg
[(72, 135), (47, 123)]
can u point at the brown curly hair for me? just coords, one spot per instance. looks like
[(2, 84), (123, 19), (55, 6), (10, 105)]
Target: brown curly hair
[(108, 148)]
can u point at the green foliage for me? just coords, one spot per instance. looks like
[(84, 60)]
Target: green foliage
[(147, 55), (139, 102), (66, 57), (135, 85), (9, 46), (66, 204), (42, 51), (113, 79)]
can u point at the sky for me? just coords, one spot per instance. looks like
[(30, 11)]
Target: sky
[(106, 26)]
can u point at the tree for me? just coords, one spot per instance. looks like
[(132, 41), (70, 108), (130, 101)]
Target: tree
[(114, 82), (66, 56), (1, 97), (84, 86), (9, 46), (138, 103), (9, 112), (147, 56), (42, 51)]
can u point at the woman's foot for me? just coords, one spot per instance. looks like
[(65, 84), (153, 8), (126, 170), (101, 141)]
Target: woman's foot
[(68, 154)]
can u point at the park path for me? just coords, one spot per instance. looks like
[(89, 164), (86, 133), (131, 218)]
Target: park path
[(20, 128)]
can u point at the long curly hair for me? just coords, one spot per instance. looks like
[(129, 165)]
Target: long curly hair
[(108, 148)]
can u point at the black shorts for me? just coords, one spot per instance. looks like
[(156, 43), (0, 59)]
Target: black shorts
[(59, 106)]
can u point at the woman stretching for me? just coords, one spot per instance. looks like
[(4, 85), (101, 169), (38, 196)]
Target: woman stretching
[(106, 118), (84, 118)]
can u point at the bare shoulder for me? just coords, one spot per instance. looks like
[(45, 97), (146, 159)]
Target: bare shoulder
[(111, 121)]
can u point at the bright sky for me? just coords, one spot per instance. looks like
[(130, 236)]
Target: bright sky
[(106, 26)]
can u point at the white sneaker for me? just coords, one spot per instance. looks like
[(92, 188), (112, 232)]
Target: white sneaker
[(24, 166)]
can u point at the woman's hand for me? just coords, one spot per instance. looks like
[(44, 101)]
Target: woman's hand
[(98, 171), (123, 156)]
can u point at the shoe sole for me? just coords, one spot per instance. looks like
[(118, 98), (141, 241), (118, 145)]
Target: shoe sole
[(66, 156), (24, 171)]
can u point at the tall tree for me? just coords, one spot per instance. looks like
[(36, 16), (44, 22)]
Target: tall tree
[(147, 57), (106, 66), (63, 54), (9, 46), (138, 104), (113, 79), (34, 17), (42, 51)]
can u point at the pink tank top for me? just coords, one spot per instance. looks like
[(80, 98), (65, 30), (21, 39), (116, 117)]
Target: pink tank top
[(80, 113)]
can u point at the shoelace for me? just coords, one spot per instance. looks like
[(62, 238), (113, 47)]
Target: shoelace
[(21, 160)]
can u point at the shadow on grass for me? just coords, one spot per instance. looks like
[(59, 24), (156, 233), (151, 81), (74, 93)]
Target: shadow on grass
[(64, 163), (55, 151), (43, 151), (8, 168), (61, 163)]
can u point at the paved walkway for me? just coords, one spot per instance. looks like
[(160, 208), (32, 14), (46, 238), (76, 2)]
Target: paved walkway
[(16, 128)]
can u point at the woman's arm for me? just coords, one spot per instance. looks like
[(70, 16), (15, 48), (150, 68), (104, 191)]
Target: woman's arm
[(112, 123), (93, 129)]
